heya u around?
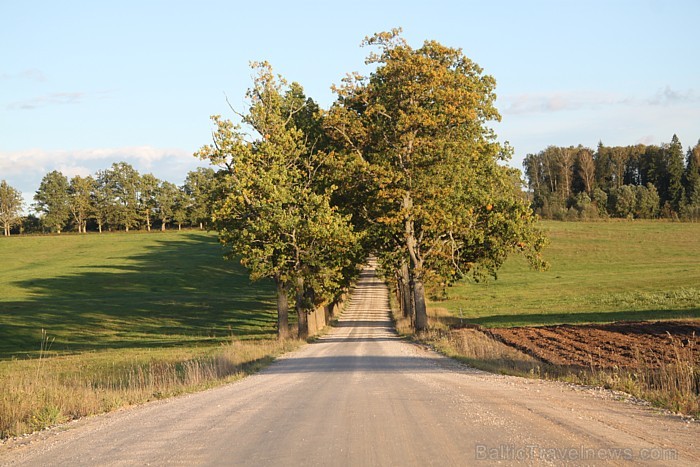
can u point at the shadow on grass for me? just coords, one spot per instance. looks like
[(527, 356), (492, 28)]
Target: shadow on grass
[(570, 318), (178, 292)]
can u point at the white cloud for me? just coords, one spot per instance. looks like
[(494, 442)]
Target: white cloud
[(668, 96), (79, 161), (56, 98), (31, 74), (558, 101), (549, 102)]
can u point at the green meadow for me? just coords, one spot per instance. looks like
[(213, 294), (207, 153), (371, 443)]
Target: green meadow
[(125, 291), (600, 272)]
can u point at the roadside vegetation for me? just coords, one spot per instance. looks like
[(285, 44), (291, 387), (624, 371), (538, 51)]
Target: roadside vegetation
[(601, 272)]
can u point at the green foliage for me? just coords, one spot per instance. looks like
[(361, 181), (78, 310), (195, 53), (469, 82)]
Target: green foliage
[(122, 186), (52, 200), (199, 186), (80, 200), (148, 203), (557, 176), (167, 199), (440, 201), (268, 206), (10, 206)]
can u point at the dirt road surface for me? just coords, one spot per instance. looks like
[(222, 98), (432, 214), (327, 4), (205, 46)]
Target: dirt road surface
[(361, 396)]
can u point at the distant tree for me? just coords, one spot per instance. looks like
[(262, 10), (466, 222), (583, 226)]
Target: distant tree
[(147, 198), (603, 168), (30, 224), (622, 201), (123, 184), (11, 204), (52, 201), (646, 202), (199, 187), (584, 166), (180, 211), (675, 166), (691, 176), (166, 199), (600, 199), (80, 200), (102, 200)]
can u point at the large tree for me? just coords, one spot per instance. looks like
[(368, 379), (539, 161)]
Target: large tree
[(52, 200), (10, 207), (266, 207), (445, 206)]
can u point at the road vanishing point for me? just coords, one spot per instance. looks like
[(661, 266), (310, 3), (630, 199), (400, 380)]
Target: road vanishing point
[(362, 396)]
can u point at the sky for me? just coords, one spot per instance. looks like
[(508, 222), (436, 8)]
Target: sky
[(84, 84)]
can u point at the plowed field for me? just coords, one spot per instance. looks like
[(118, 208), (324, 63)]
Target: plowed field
[(622, 344)]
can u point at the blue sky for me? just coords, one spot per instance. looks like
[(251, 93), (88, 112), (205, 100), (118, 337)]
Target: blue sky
[(85, 83)]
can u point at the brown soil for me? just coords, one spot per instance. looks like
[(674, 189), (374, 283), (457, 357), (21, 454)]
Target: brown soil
[(621, 344)]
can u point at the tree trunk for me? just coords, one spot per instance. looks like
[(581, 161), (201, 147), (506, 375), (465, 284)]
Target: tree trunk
[(282, 310), (201, 226), (302, 315), (405, 291), (421, 310), (303, 323), (99, 227), (162, 226)]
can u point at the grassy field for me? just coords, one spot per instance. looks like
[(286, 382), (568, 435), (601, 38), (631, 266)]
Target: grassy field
[(117, 291), (600, 272), (118, 319)]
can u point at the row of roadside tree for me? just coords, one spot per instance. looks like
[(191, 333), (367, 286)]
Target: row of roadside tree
[(641, 181), (403, 165), (117, 198)]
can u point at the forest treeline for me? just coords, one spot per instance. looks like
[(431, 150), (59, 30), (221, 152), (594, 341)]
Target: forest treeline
[(117, 198), (641, 181)]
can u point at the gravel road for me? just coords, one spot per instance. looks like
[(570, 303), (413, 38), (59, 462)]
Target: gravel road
[(362, 396)]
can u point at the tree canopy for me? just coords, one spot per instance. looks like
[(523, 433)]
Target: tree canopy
[(10, 207), (664, 181), (268, 209), (443, 206)]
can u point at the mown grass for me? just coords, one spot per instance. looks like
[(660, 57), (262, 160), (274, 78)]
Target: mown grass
[(600, 272), (90, 323)]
